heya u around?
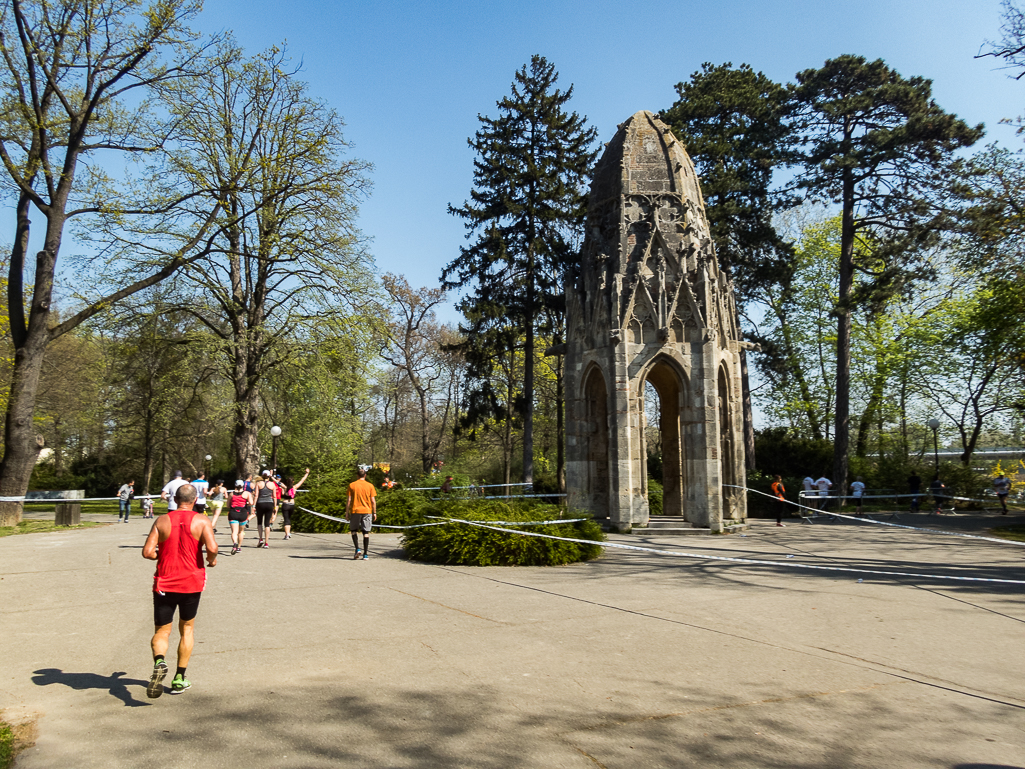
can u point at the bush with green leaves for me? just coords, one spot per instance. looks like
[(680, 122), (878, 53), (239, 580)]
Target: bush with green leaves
[(467, 545), (654, 497)]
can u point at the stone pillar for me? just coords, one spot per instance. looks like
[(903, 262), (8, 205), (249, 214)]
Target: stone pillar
[(68, 514)]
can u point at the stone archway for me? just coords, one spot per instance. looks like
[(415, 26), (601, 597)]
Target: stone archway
[(670, 386), (596, 400)]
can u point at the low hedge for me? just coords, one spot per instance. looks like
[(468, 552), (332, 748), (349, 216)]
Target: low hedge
[(465, 545), (456, 543)]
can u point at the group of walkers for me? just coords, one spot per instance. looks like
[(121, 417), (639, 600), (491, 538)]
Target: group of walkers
[(262, 499)]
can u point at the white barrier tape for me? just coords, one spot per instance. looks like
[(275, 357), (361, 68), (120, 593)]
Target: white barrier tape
[(489, 486), (514, 523), (376, 525), (34, 500), (928, 493), (886, 523), (442, 521), (753, 561), (501, 496)]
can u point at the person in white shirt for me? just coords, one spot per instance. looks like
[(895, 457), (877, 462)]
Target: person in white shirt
[(167, 493), (201, 485), (809, 488), (857, 491), (1002, 486), (824, 485)]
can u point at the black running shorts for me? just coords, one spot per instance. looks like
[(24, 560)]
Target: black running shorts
[(287, 508), (164, 605), (264, 511)]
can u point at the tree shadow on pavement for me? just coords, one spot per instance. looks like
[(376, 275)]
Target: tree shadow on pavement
[(114, 683)]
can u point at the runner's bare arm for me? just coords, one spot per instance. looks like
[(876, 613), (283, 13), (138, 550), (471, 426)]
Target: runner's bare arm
[(373, 506), (348, 505), (206, 536), (149, 550)]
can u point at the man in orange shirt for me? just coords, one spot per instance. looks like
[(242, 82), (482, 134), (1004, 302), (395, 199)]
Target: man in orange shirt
[(361, 511)]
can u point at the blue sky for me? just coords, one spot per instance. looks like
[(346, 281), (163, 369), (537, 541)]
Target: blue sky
[(410, 78)]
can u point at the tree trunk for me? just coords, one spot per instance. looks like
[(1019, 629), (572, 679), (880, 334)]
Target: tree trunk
[(528, 389), (244, 437), (875, 401), (21, 443), (841, 436), (560, 425), (749, 426)]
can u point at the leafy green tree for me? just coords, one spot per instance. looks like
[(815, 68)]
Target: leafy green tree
[(287, 257), (734, 124), (74, 77), (875, 143), (528, 201)]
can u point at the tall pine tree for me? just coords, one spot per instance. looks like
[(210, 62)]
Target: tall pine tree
[(876, 144), (528, 200), (734, 124)]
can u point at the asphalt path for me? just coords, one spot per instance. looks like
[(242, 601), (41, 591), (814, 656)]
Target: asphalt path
[(306, 658)]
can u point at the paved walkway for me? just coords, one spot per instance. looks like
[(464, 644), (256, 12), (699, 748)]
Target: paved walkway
[(306, 658)]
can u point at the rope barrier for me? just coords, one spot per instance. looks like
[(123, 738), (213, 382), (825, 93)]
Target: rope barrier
[(805, 494), (442, 521), (885, 523), (752, 561)]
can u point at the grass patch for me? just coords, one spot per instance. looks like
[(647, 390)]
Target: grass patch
[(6, 745), (35, 527), (1015, 533), (465, 545)]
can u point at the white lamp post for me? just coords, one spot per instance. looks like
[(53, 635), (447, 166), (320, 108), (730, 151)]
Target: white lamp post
[(275, 431)]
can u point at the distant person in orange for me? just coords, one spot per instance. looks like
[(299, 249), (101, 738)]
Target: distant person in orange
[(781, 501), (387, 483), (446, 487), (361, 511)]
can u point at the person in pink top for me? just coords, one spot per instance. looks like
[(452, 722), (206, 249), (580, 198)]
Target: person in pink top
[(176, 543)]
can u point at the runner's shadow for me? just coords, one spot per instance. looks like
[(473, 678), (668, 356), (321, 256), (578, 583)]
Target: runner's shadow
[(113, 683)]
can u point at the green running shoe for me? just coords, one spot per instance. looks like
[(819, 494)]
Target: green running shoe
[(156, 680), (180, 684)]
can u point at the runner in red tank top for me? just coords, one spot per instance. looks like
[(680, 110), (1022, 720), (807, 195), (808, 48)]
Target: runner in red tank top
[(176, 543)]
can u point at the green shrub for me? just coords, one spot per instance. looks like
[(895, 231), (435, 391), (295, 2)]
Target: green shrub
[(462, 544), (654, 497)]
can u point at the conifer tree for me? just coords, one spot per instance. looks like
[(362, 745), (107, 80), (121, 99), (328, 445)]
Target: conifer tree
[(876, 144), (528, 200), (734, 124)]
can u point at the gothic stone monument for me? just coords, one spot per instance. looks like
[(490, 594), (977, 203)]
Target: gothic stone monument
[(650, 304)]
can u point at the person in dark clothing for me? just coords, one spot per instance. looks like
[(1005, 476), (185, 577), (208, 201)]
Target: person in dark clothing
[(914, 488), (939, 493)]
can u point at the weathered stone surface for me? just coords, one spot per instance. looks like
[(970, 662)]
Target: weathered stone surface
[(650, 304), (68, 514)]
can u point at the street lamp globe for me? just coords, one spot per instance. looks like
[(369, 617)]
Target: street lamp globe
[(275, 431), (209, 457), (934, 424)]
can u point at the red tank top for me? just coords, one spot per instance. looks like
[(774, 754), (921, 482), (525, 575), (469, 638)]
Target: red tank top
[(180, 567)]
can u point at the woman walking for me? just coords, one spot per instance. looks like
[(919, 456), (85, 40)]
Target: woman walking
[(216, 501), (239, 514), (264, 507), (288, 502)]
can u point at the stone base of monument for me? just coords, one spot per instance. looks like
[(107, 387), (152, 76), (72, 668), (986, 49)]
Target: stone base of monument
[(675, 526), (68, 514)]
